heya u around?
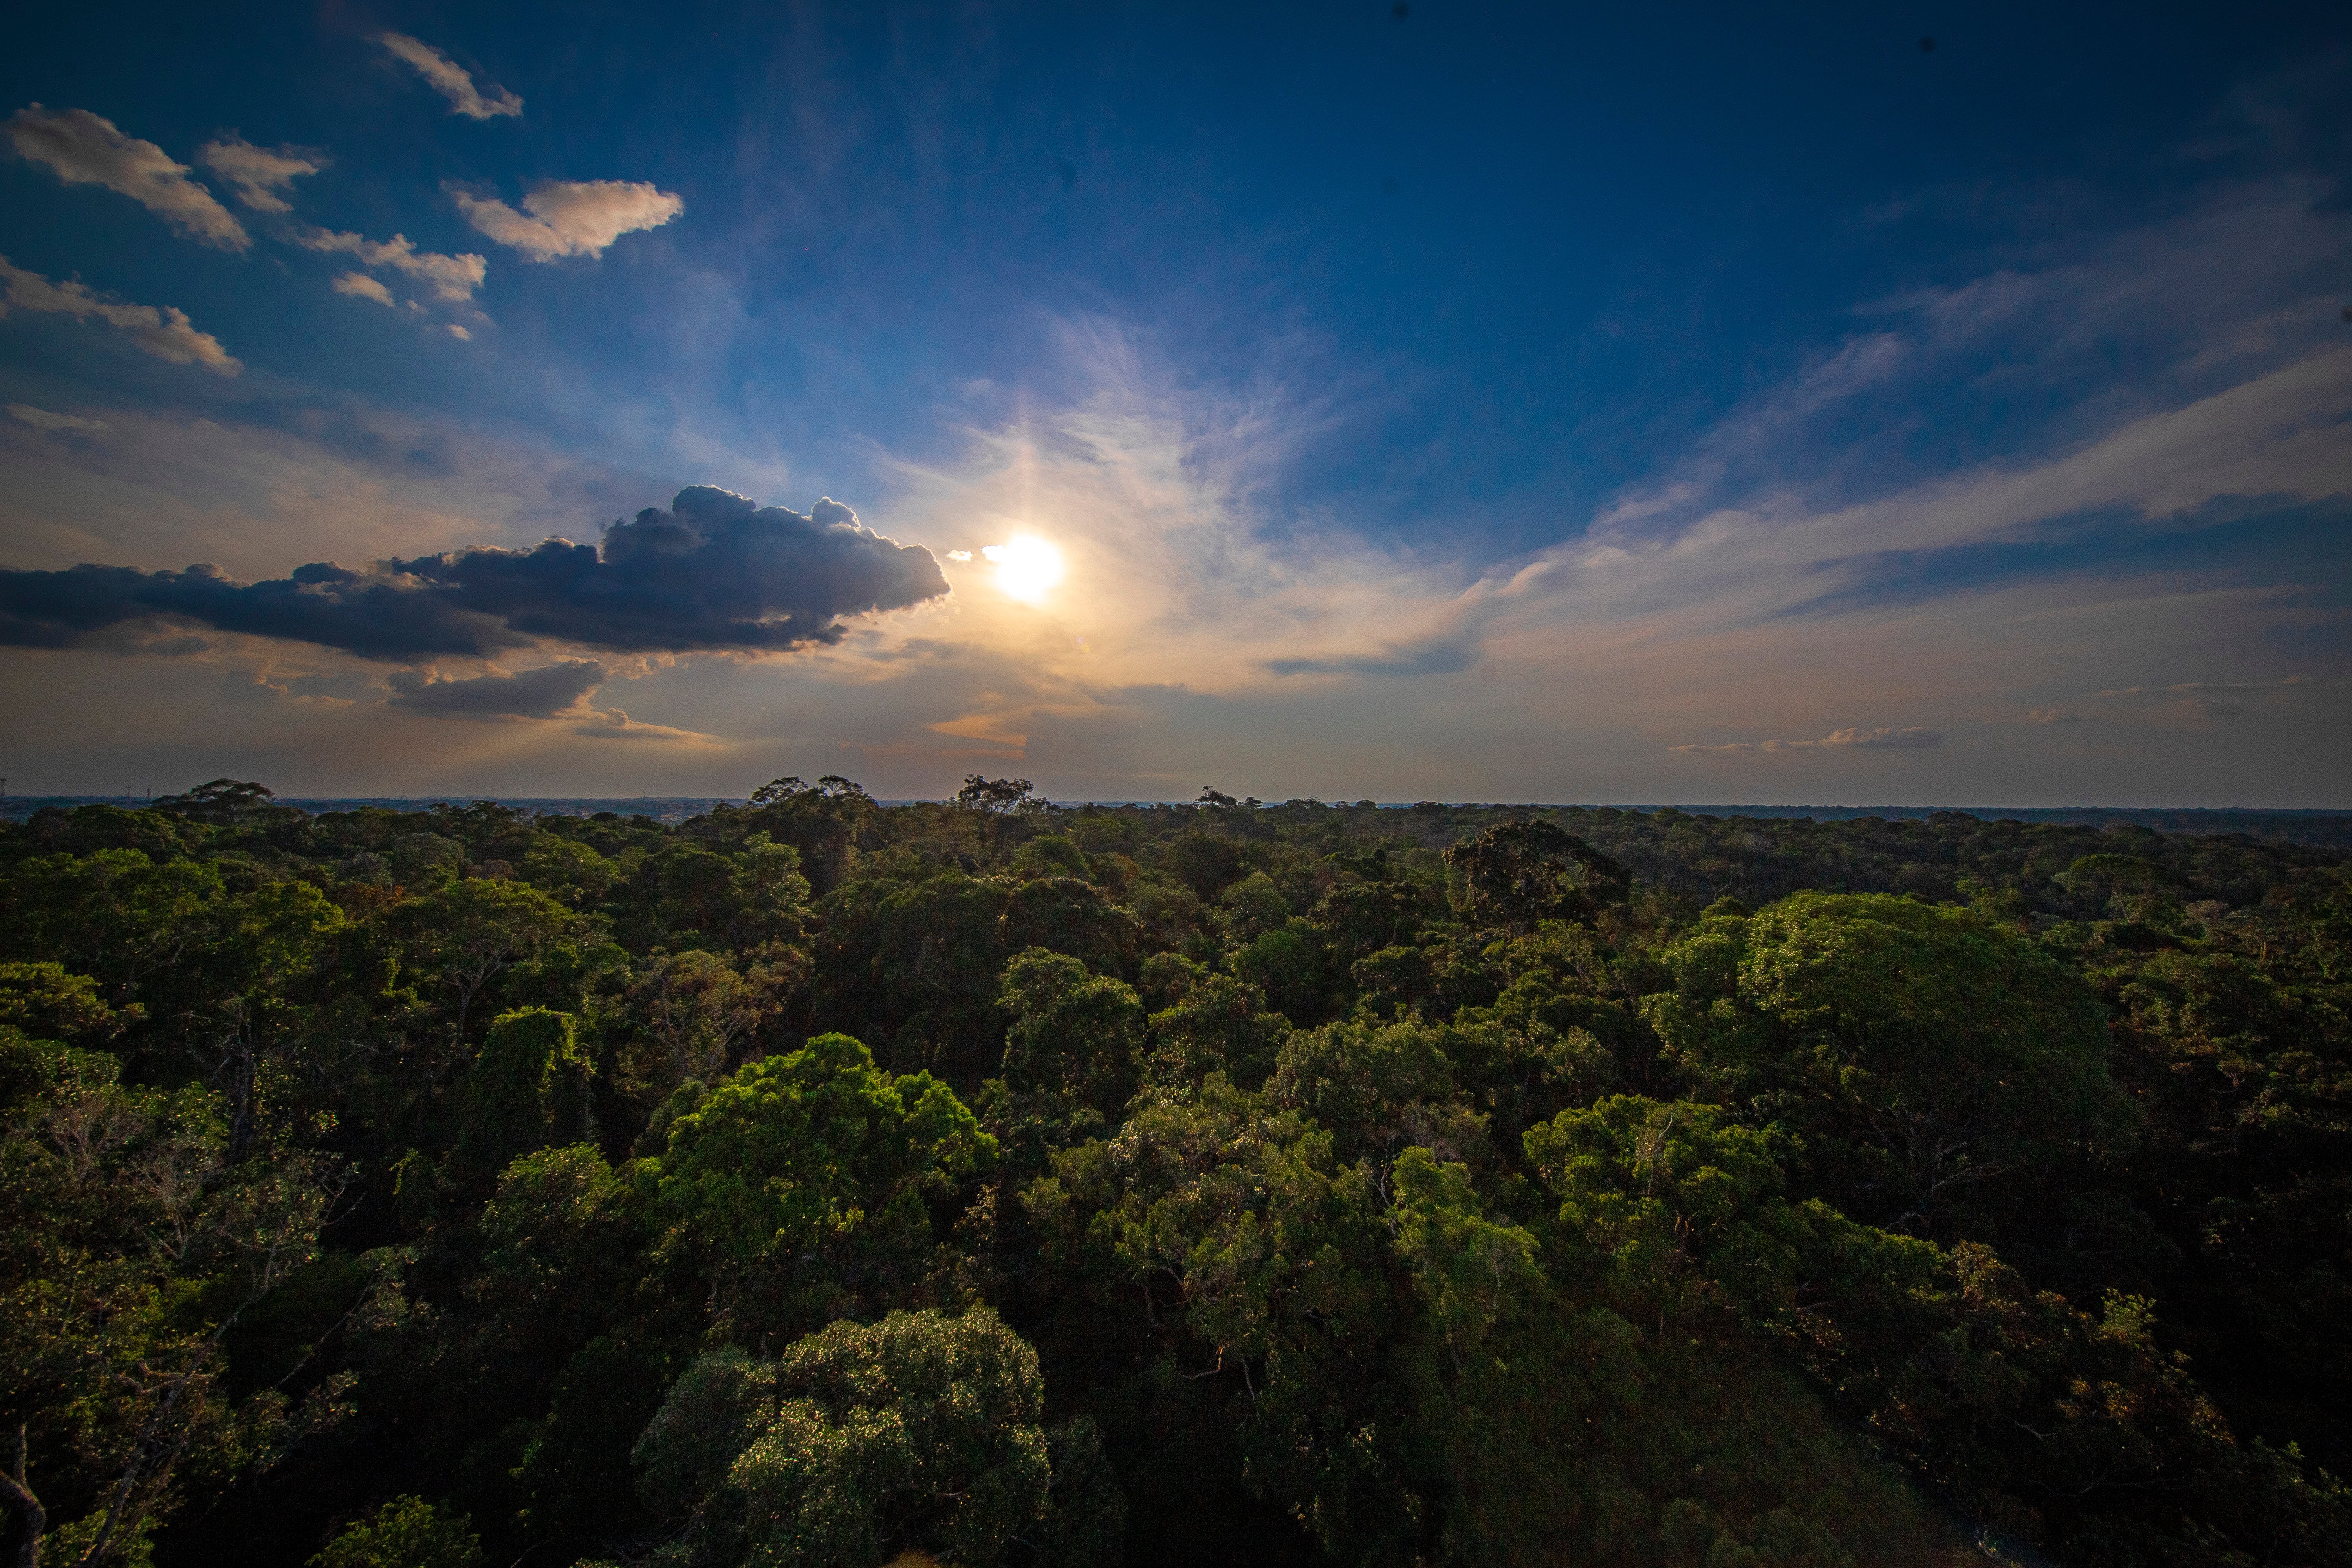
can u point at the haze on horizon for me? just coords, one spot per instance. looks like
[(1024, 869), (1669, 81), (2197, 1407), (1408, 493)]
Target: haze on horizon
[(1442, 401)]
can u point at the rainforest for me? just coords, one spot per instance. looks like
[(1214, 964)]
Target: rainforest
[(996, 1182)]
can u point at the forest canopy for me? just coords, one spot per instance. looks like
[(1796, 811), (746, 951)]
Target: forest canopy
[(1003, 1182)]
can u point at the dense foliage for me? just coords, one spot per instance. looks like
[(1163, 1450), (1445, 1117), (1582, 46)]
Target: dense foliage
[(818, 1182)]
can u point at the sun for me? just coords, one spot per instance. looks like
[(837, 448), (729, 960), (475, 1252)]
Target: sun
[(1027, 567)]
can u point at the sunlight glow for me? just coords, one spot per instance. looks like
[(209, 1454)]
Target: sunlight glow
[(1026, 567)]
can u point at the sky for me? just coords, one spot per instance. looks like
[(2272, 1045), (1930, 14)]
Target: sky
[(1907, 404)]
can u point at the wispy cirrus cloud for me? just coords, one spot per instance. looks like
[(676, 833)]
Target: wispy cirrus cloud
[(260, 174), (84, 148), (450, 79), (1909, 738), (2206, 687), (42, 419), (615, 725), (163, 331), (449, 277), (571, 218), (2203, 701)]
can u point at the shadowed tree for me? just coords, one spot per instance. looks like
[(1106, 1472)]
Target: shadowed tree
[(1073, 1034), (921, 1433), (1922, 1049), (998, 796), (1523, 872), (473, 931), (406, 1532)]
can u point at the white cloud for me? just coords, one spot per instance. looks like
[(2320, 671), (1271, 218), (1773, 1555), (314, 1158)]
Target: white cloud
[(360, 286), (82, 148), (453, 278), (450, 79), (42, 419), (571, 217), (259, 174), (163, 332), (1910, 738), (460, 334)]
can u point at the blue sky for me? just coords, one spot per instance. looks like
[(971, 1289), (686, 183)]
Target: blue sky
[(1741, 403)]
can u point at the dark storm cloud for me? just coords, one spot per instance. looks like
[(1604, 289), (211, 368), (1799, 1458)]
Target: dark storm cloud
[(541, 693), (714, 572), (374, 616)]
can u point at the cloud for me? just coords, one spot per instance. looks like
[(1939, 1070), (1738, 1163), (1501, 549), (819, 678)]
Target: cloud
[(2054, 716), (453, 278), (1910, 738), (360, 286), (42, 419), (2200, 688), (82, 148), (1447, 653), (341, 689), (163, 332), (450, 79), (571, 218), (541, 693), (717, 572), (2202, 701), (613, 725), (378, 618), (460, 334), (259, 174)]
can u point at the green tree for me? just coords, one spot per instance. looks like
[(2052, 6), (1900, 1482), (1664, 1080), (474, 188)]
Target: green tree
[(700, 1013), (1920, 1048), (770, 895), (1255, 1267), (129, 1248), (252, 1010), (47, 1002), (917, 966), (1050, 854), (1219, 1025), (115, 916), (920, 1432), (472, 932), (1073, 1034), (1250, 908), (529, 1087), (406, 1532), (1073, 917), (797, 1185), (568, 870)]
